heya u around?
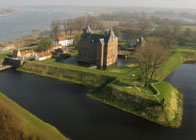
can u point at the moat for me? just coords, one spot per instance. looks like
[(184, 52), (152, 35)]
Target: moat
[(67, 107), (73, 60)]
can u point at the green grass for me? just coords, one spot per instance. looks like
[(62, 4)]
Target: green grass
[(69, 73), (4, 55), (173, 101), (188, 27), (73, 53), (27, 124), (174, 61), (145, 103), (152, 38)]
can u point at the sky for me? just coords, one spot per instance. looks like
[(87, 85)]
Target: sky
[(185, 4)]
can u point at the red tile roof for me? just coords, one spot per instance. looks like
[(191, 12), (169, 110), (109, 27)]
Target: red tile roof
[(63, 38), (44, 54), (26, 52), (22, 53)]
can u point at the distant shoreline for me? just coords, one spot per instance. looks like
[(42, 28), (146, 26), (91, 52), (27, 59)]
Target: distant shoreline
[(13, 12)]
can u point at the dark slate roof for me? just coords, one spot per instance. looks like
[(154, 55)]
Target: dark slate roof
[(88, 35), (88, 30)]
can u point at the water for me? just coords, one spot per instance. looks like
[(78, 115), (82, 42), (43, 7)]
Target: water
[(29, 19), (1, 48), (67, 107), (74, 61)]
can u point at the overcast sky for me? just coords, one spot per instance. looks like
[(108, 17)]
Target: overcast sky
[(139, 3)]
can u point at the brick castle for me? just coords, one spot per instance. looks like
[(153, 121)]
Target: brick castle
[(98, 49)]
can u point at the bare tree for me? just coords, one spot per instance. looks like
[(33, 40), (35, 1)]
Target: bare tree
[(70, 23), (144, 25), (65, 27), (169, 33), (55, 28), (150, 57)]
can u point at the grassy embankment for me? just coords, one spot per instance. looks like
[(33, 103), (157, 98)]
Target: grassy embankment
[(123, 87), (19, 124), (143, 102)]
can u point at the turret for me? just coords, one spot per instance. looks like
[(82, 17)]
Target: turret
[(141, 39), (112, 35), (88, 30)]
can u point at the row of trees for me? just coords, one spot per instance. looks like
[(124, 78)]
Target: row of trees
[(169, 33), (68, 26), (172, 32)]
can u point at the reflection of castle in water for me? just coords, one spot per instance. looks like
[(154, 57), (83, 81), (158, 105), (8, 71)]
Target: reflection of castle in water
[(98, 49), (73, 60)]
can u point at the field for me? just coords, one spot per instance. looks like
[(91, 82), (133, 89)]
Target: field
[(189, 27)]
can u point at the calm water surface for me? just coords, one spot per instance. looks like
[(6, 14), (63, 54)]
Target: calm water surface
[(66, 107), (73, 60), (29, 19)]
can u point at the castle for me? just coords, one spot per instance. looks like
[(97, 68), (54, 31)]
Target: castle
[(98, 49)]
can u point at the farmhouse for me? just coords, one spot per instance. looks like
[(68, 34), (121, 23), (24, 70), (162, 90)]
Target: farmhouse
[(98, 49), (64, 41), (43, 55), (23, 55)]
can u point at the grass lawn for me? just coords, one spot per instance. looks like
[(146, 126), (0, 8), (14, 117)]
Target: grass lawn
[(4, 55), (152, 38), (173, 101), (174, 61), (189, 27)]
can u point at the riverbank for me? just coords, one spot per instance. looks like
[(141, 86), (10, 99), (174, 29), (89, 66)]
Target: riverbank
[(69, 73), (148, 107), (18, 123), (8, 12)]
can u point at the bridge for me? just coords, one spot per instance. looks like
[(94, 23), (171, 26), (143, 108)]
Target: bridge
[(9, 63), (6, 67), (122, 55)]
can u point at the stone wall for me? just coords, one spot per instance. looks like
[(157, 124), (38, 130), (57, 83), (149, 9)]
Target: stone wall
[(1, 62), (14, 62)]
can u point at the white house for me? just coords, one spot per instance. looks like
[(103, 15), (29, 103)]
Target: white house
[(42, 56), (64, 41)]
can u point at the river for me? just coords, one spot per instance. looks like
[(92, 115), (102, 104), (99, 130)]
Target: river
[(29, 19), (67, 107)]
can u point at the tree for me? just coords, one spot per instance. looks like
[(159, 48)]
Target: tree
[(186, 36), (70, 23), (55, 28), (169, 32), (150, 57), (45, 44), (65, 27), (144, 25)]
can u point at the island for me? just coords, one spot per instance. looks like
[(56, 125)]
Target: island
[(131, 87)]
